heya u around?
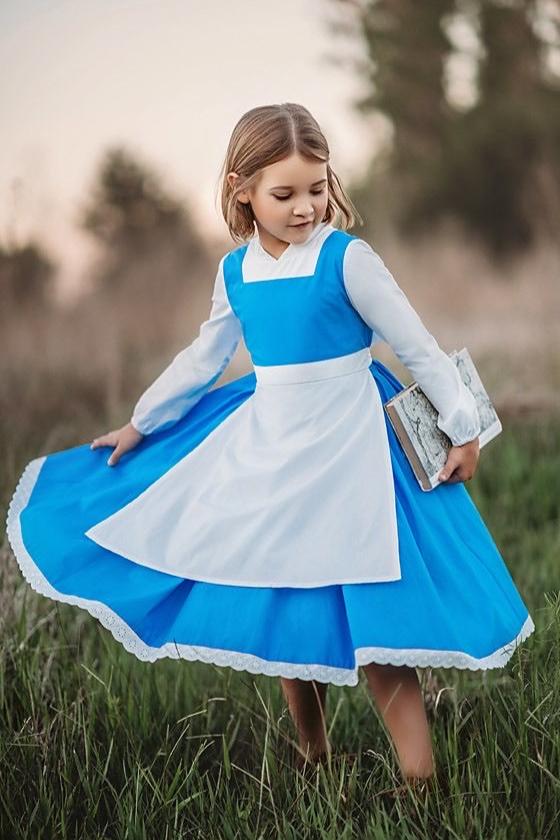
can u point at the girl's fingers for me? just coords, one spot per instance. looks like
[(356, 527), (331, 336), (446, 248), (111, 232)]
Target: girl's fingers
[(456, 475), (114, 439), (449, 466), (104, 440), (454, 478), (456, 469), (115, 455)]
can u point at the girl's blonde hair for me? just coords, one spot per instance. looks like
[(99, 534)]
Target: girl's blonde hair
[(265, 135)]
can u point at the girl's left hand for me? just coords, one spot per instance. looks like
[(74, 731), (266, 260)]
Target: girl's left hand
[(461, 462)]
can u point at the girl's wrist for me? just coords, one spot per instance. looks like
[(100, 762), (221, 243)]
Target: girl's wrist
[(132, 426)]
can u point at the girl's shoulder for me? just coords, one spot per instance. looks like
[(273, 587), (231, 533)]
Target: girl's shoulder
[(237, 249), (359, 244), (362, 248), (234, 254), (354, 249)]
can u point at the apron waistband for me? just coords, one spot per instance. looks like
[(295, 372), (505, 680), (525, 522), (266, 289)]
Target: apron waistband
[(312, 371)]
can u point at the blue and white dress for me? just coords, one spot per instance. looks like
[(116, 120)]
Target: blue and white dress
[(273, 524)]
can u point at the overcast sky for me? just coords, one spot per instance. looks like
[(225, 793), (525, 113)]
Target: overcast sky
[(168, 78)]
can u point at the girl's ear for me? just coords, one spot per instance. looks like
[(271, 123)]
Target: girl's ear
[(243, 197)]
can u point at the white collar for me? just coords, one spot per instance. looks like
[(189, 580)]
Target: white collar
[(256, 244)]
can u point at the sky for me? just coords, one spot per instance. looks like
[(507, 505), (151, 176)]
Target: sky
[(167, 78)]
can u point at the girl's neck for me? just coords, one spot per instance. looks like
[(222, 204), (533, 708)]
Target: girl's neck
[(275, 248)]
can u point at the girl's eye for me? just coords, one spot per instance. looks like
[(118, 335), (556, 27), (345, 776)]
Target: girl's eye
[(286, 197)]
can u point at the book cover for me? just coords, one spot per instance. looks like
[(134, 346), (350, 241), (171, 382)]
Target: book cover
[(414, 420)]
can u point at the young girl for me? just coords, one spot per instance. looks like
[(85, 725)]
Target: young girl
[(273, 524)]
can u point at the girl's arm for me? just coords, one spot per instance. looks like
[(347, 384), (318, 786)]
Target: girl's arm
[(382, 304), (194, 370)]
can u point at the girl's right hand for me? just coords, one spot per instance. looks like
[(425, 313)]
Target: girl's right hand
[(123, 439), (461, 462)]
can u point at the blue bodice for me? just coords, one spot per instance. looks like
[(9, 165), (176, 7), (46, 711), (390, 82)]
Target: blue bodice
[(288, 320)]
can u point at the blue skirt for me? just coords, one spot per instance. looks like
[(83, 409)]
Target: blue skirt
[(456, 604)]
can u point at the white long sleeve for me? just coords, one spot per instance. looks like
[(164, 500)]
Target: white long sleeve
[(382, 304), (194, 370)]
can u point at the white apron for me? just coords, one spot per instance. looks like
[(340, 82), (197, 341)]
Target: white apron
[(294, 488)]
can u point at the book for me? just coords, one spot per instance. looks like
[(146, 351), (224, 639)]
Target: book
[(414, 419)]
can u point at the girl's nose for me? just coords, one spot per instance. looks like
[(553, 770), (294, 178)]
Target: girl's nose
[(303, 210)]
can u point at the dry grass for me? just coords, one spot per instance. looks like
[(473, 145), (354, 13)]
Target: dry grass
[(71, 372)]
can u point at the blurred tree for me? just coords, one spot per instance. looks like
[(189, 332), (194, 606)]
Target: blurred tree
[(407, 48), (501, 174), (494, 166), (26, 279), (148, 242)]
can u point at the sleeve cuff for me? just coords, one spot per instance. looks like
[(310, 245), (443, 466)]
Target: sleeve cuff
[(136, 424), (463, 424)]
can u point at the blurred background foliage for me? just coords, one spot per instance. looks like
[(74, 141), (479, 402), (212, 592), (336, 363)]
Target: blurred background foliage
[(462, 200), (493, 163), (489, 165)]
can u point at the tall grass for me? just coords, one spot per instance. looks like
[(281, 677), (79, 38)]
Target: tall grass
[(96, 744)]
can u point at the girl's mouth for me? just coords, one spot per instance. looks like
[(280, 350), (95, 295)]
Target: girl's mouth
[(302, 225)]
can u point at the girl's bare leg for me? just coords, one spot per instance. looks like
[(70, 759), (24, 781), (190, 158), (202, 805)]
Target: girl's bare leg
[(307, 702), (397, 693)]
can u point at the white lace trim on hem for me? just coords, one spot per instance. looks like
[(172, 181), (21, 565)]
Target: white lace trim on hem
[(123, 633)]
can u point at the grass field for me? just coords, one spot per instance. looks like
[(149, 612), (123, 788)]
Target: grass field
[(96, 744)]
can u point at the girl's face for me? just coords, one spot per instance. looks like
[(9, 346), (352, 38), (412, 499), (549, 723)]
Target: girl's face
[(288, 193)]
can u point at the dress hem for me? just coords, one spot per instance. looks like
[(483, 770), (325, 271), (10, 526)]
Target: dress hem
[(123, 633)]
